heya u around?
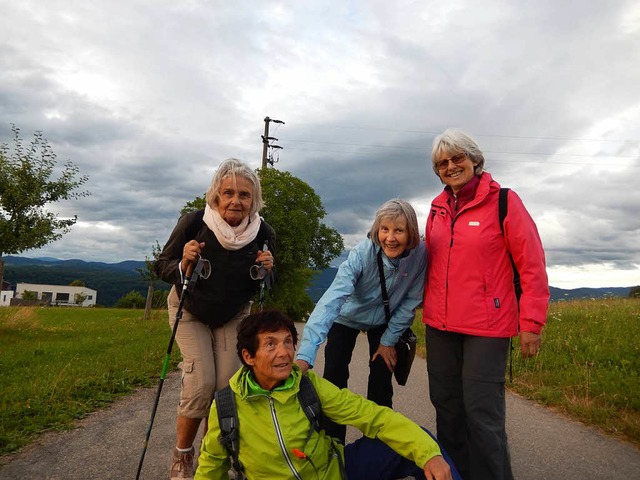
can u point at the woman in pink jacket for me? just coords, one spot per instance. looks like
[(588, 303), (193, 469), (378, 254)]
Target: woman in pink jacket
[(470, 307)]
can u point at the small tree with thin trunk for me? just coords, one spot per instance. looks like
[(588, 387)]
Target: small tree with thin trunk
[(27, 191), (79, 298), (149, 276)]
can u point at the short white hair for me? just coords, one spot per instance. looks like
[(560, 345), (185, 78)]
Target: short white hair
[(453, 141)]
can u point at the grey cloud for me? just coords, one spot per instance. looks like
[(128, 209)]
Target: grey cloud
[(362, 87)]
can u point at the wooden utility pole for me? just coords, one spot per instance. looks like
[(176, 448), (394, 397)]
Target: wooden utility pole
[(266, 138)]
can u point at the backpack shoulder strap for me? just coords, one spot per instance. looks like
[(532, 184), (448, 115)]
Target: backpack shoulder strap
[(503, 206), (310, 402), (228, 421), (312, 407)]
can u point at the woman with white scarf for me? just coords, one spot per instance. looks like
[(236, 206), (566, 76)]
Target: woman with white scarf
[(230, 237)]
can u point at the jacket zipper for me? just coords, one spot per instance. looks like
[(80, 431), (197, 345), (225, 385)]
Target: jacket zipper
[(446, 284), (283, 448), (454, 219)]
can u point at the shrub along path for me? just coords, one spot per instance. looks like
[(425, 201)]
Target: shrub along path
[(107, 445)]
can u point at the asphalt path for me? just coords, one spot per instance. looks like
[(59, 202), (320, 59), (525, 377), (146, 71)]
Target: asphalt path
[(108, 444)]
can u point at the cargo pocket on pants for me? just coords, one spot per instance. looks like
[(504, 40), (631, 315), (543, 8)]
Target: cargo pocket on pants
[(189, 383)]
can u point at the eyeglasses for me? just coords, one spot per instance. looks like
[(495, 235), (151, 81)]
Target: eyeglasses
[(456, 159)]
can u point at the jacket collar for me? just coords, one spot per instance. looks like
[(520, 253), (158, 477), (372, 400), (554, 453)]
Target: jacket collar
[(240, 384), (466, 194), (485, 187)]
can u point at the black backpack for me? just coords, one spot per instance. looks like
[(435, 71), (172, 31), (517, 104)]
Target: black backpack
[(228, 419), (503, 207)]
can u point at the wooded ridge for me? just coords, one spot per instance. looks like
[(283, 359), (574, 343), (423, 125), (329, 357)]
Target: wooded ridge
[(114, 280)]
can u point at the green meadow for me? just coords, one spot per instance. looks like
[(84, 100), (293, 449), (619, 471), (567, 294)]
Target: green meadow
[(589, 364), (59, 364)]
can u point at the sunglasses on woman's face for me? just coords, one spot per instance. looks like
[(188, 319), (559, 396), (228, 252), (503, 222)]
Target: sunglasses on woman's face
[(456, 159)]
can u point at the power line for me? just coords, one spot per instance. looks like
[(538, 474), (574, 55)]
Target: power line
[(492, 159), (428, 149), (424, 132)]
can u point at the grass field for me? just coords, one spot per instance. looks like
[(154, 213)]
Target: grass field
[(58, 364), (589, 365)]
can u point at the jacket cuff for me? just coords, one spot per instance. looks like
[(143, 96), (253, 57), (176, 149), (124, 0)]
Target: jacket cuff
[(306, 358), (531, 326)]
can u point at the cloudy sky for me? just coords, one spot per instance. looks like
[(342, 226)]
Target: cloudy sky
[(148, 97)]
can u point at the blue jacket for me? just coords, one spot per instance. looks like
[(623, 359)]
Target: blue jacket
[(354, 298)]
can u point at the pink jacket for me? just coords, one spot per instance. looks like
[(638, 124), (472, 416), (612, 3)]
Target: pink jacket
[(469, 282)]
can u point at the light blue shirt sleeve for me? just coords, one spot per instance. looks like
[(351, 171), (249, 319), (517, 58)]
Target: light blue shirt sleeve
[(328, 307)]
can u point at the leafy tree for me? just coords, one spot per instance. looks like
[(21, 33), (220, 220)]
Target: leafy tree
[(29, 295), (77, 283), (634, 292), (304, 244), (197, 203), (149, 275), (79, 297), (27, 189), (133, 299)]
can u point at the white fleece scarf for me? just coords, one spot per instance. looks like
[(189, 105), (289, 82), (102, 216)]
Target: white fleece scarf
[(231, 238)]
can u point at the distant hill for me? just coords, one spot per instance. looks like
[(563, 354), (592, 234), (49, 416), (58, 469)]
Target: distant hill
[(322, 281), (110, 280), (114, 280), (585, 293)]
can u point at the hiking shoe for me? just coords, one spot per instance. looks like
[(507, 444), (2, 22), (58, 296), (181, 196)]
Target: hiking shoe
[(182, 465)]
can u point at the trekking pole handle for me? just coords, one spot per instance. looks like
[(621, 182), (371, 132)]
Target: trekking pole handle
[(257, 271), (190, 282)]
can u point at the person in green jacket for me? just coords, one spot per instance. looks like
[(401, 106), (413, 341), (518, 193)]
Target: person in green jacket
[(275, 438)]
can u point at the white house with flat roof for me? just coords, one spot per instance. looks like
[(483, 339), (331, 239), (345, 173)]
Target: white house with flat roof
[(62, 295), (5, 297)]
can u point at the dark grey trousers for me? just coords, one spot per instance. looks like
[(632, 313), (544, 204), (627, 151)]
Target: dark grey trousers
[(341, 341), (466, 386)]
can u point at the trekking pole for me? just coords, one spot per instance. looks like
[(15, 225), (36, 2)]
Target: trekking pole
[(187, 286), (258, 272)]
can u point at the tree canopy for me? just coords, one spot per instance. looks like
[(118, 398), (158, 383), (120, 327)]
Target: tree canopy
[(133, 299), (303, 243), (30, 181)]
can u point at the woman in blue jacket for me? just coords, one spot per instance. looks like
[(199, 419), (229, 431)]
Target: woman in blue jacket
[(353, 303)]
